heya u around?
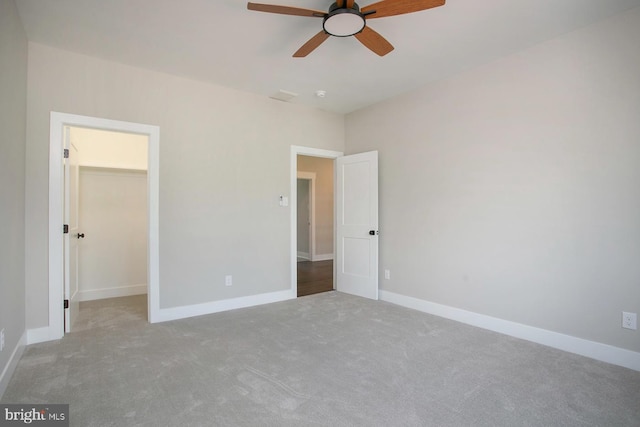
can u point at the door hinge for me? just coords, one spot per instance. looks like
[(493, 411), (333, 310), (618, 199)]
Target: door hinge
[(65, 229), (66, 303), (66, 153)]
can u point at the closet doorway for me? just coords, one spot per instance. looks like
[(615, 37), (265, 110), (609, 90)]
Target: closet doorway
[(112, 227)]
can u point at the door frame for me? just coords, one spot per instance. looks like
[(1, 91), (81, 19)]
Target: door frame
[(311, 152), (311, 178), (56, 199)]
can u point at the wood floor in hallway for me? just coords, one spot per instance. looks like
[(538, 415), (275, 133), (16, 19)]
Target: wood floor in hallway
[(314, 277)]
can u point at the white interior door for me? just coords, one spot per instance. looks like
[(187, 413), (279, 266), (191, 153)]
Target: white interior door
[(71, 239), (357, 224)]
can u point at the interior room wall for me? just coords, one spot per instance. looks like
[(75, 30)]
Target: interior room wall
[(13, 107), (323, 168), (511, 190), (224, 162), (112, 213), (113, 218)]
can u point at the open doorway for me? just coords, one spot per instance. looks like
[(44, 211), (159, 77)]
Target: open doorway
[(315, 224), (111, 276), (59, 288), (355, 225)]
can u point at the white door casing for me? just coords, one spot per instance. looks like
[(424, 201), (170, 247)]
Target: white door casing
[(71, 239), (55, 329), (304, 151), (357, 224)]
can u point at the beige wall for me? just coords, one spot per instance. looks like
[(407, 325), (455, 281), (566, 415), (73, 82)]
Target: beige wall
[(224, 161), (113, 217), (13, 98), (105, 149), (323, 168), (304, 217), (112, 213), (512, 190)]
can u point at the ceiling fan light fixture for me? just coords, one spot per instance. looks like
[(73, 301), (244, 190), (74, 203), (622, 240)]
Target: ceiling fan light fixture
[(343, 22)]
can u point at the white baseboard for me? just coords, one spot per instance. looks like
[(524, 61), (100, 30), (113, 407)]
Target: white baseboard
[(174, 313), (323, 257), (10, 368), (594, 350), (38, 335), (304, 255), (122, 291)]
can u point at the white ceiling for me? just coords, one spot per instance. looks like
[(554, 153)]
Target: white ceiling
[(221, 42)]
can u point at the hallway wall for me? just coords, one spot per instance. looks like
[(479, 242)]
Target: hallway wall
[(323, 168)]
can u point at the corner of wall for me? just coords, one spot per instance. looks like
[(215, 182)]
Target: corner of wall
[(13, 118), (10, 367)]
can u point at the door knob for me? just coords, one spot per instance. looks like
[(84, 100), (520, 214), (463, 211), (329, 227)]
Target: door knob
[(80, 236)]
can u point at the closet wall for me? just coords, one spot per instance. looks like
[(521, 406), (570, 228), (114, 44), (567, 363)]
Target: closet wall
[(112, 213)]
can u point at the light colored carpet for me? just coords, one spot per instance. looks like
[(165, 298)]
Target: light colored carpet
[(327, 359)]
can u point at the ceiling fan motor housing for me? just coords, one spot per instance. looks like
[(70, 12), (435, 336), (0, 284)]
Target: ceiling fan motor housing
[(343, 21)]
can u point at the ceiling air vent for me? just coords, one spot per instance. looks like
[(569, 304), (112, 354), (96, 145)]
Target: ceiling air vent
[(284, 95)]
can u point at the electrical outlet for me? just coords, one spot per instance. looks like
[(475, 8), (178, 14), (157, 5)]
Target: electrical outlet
[(228, 280), (2, 339), (629, 320), (387, 274)]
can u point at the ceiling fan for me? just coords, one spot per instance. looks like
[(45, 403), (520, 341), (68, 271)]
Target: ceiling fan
[(345, 18)]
